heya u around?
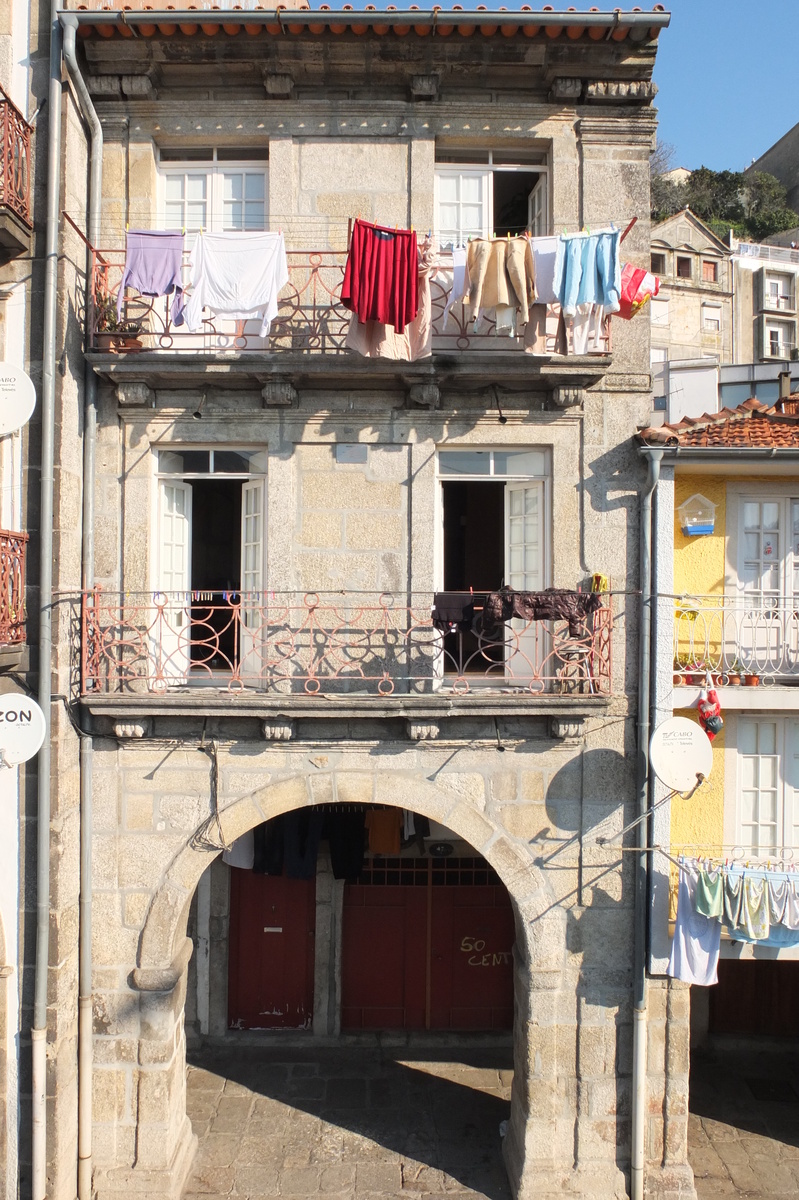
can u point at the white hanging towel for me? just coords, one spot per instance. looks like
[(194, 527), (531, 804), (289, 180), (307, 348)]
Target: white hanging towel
[(697, 939), (460, 282), (237, 275), (242, 852)]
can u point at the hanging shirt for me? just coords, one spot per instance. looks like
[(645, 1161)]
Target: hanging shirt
[(385, 830), (373, 339), (544, 253), (380, 276), (710, 893), (697, 939), (154, 267), (237, 275), (588, 271), (502, 279), (460, 282)]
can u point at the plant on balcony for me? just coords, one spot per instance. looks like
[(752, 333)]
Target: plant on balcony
[(734, 673), (112, 334)]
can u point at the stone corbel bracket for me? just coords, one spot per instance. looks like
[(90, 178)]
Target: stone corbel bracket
[(135, 395), (424, 87), (424, 395), (422, 731), (133, 729), (566, 729), (132, 87), (565, 90), (614, 91), (567, 397), (278, 729), (278, 85), (279, 393)]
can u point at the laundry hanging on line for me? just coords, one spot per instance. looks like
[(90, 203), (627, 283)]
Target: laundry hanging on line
[(381, 275), (154, 267), (238, 276), (374, 339)]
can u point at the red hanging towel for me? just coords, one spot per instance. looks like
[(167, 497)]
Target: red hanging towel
[(381, 275)]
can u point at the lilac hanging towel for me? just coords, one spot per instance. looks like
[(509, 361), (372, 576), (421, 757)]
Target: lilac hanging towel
[(153, 265)]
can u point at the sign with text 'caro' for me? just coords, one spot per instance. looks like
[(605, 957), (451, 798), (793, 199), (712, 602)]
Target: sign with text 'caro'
[(22, 728), (17, 398)]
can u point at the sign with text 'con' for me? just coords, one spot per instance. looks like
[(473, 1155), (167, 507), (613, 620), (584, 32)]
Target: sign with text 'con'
[(22, 728), (17, 398)]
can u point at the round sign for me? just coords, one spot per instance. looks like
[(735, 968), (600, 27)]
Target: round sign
[(22, 728), (680, 753), (17, 398)]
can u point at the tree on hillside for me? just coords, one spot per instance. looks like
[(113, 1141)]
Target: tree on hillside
[(754, 205)]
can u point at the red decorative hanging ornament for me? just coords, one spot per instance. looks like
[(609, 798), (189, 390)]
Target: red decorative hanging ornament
[(710, 708)]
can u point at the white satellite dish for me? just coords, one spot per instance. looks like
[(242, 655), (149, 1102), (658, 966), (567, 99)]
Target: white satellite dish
[(680, 752), (22, 728), (17, 398)]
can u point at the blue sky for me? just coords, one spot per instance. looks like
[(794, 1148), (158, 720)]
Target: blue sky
[(726, 70)]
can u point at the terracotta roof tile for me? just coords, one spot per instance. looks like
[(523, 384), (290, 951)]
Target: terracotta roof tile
[(753, 425)]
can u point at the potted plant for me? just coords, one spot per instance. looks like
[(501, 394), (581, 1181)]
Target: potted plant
[(734, 673), (112, 335), (751, 679)]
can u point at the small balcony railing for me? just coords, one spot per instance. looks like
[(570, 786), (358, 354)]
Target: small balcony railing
[(318, 644), (15, 157), (735, 637), (13, 548), (311, 318)]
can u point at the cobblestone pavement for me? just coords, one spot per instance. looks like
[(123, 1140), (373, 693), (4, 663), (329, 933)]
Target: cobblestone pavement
[(349, 1122), (743, 1133)]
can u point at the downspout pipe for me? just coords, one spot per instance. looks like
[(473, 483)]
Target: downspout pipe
[(45, 647), (638, 1135), (87, 571)]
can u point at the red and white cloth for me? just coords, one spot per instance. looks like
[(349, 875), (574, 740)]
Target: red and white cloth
[(381, 275)]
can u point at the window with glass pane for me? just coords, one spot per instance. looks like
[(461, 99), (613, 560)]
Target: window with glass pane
[(243, 200), (464, 462), (759, 786), (761, 550), (795, 547), (187, 201), (461, 207)]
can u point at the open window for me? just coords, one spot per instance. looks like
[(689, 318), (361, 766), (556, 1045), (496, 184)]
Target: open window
[(494, 517), (490, 194), (209, 569)]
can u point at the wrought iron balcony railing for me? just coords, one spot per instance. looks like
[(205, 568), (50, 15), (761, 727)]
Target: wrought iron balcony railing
[(311, 318), (736, 636), (15, 157), (316, 643), (13, 547)]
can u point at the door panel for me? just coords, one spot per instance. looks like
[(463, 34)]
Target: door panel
[(252, 559), (271, 966), (472, 960), (527, 646), (172, 629), (383, 958), (388, 964)]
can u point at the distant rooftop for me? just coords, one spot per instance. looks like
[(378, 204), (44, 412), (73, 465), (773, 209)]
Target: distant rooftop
[(752, 426)]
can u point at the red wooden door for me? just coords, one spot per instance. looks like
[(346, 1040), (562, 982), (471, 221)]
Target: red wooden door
[(427, 957), (271, 951), (471, 959), (383, 958)]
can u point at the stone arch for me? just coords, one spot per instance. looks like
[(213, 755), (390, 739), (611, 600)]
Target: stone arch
[(539, 920)]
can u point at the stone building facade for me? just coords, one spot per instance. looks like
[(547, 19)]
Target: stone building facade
[(304, 497)]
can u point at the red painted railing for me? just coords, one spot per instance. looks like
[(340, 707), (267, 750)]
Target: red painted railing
[(15, 157), (311, 317), (13, 547), (318, 643)]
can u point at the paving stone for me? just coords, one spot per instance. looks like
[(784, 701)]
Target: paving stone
[(378, 1177), (299, 1181), (256, 1180)]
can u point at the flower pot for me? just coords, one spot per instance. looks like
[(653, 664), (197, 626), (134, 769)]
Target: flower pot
[(733, 679), (751, 680), (118, 343)]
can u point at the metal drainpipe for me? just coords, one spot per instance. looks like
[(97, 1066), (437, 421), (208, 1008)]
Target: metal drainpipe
[(641, 858), (49, 315), (89, 457)]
